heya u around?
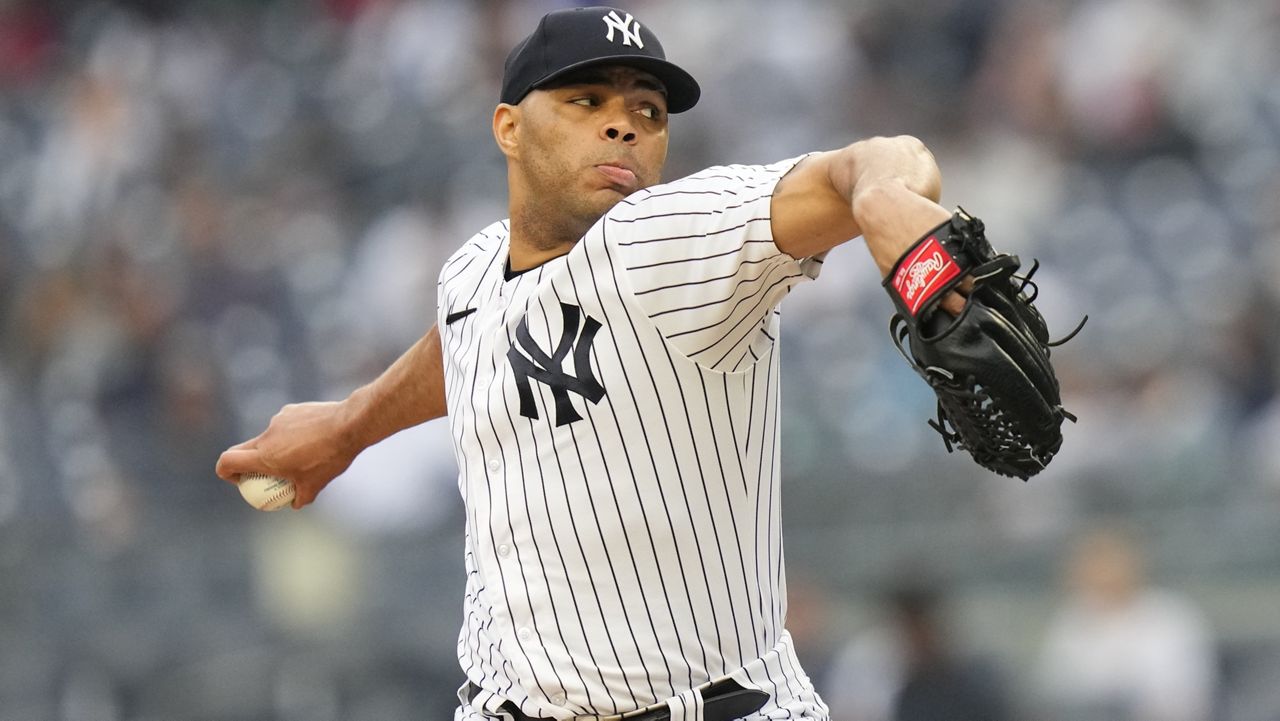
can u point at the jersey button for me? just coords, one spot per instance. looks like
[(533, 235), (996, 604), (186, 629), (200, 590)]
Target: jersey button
[(525, 634), (504, 550), (494, 464), (558, 699)]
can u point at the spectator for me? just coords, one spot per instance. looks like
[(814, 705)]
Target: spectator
[(1120, 649), (911, 669)]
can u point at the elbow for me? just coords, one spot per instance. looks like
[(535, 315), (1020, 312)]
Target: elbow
[(902, 161), (920, 172)]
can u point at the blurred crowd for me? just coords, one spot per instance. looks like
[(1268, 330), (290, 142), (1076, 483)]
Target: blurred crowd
[(210, 208)]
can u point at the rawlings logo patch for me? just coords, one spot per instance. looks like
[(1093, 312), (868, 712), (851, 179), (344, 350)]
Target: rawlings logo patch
[(920, 275)]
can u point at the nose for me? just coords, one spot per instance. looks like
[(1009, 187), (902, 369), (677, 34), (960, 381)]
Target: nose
[(618, 127), (613, 132)]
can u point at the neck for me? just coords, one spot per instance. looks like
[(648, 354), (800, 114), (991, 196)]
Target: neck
[(543, 224), (542, 227), (537, 238)]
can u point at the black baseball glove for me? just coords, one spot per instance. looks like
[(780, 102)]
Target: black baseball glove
[(998, 396)]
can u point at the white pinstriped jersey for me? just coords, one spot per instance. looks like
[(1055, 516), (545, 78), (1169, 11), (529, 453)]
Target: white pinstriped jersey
[(615, 418)]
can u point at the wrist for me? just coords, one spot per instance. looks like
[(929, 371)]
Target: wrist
[(892, 218), (356, 431)]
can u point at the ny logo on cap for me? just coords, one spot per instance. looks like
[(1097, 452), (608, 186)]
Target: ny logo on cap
[(629, 27)]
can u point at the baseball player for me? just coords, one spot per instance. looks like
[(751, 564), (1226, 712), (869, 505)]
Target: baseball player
[(608, 361)]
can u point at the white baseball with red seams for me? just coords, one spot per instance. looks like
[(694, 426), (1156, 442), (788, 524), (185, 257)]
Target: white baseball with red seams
[(266, 493)]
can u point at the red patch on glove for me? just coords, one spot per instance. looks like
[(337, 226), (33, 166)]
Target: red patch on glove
[(922, 275)]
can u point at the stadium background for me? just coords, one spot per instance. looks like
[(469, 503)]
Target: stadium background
[(209, 209)]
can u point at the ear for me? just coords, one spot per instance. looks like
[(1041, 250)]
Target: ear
[(506, 118)]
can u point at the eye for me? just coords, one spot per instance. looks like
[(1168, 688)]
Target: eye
[(585, 101), (649, 112)]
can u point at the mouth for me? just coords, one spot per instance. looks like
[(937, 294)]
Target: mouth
[(618, 176)]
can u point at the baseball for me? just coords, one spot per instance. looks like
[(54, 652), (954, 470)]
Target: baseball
[(266, 493)]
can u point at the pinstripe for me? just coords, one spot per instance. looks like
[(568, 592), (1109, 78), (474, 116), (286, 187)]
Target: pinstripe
[(622, 541), (757, 299), (703, 178), (609, 555), (737, 536), (521, 567), (613, 571), (451, 272), (486, 661), (768, 420), (635, 567), (555, 536), (733, 522), (738, 326), (488, 487), (716, 613), (687, 214), (690, 236), (681, 214), (697, 259), (682, 576), (589, 577), (541, 476), (742, 282), (555, 616), (699, 281), (658, 389)]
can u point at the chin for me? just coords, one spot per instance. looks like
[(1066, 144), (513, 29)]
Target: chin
[(604, 200)]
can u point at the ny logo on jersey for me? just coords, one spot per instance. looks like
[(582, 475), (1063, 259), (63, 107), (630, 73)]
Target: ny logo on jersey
[(629, 27), (548, 369)]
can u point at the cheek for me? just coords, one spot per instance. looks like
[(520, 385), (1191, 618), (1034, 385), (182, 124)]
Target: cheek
[(655, 157), (549, 159)]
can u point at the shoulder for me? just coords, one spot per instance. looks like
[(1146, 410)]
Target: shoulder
[(710, 189), (472, 259), (489, 239), (486, 242)]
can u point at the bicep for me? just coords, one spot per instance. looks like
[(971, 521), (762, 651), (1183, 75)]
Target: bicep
[(809, 215), (437, 407)]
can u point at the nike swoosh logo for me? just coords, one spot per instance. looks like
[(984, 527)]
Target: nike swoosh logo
[(458, 315)]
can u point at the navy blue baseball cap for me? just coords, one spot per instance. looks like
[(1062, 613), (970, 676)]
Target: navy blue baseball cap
[(567, 40)]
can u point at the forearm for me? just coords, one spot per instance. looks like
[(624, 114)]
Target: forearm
[(409, 392)]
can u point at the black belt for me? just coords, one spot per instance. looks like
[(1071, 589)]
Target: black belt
[(725, 700)]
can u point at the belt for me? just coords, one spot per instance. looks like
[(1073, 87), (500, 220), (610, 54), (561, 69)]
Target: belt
[(724, 700)]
